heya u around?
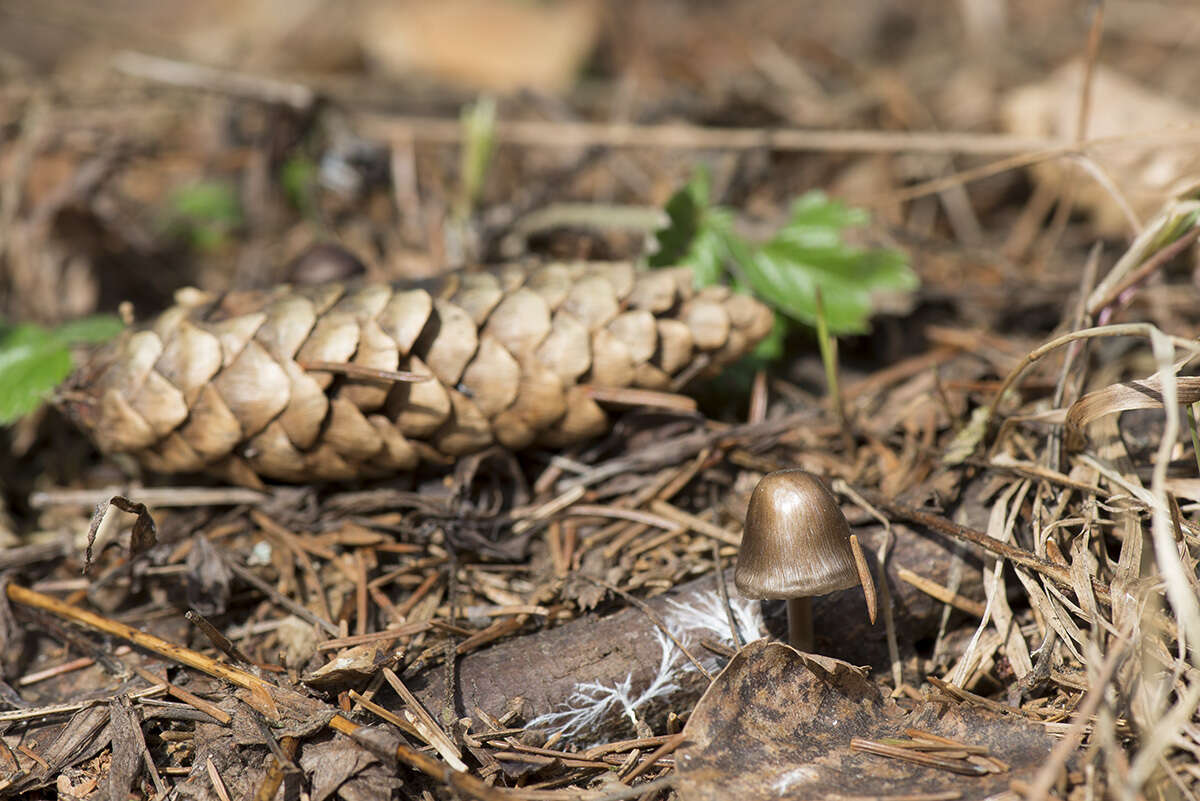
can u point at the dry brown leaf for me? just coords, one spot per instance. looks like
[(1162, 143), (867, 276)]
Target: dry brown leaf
[(482, 43), (777, 724), (1127, 396), (350, 667), (333, 763)]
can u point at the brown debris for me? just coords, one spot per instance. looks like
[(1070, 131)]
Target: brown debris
[(740, 741), (1031, 582)]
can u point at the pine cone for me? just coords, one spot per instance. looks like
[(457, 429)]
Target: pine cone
[(219, 384)]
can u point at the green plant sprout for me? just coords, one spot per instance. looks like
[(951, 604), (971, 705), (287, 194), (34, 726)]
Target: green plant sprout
[(478, 122), (298, 179), (828, 346), (806, 256), (34, 360), (204, 213)]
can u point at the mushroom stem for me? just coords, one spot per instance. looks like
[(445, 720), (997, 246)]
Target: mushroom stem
[(800, 623)]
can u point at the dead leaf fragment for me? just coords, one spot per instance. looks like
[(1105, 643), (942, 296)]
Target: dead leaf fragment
[(482, 43), (776, 724), (1127, 396)]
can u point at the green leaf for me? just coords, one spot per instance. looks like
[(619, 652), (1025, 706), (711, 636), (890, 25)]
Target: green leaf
[(478, 123), (207, 201), (772, 346), (89, 330), (809, 252), (205, 212), (33, 361), (298, 178), (685, 210)]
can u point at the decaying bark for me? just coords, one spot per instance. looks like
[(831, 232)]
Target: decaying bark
[(599, 655), (278, 383)]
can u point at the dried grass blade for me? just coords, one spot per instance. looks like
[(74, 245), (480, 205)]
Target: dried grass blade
[(1126, 396), (958, 766)]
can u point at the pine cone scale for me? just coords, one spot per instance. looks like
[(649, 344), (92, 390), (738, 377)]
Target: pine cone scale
[(247, 385)]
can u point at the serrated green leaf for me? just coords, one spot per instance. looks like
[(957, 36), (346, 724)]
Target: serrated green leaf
[(33, 361), (809, 252), (686, 211), (817, 212), (706, 257), (772, 346), (89, 330)]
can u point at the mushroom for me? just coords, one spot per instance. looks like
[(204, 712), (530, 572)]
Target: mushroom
[(797, 544)]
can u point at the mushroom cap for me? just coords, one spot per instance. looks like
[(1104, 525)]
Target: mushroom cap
[(796, 542)]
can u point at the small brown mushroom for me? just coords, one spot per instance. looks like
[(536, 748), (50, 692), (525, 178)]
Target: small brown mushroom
[(797, 544)]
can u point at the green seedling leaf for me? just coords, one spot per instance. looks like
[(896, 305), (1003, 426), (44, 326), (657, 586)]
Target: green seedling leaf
[(34, 360), (298, 178), (685, 212), (32, 363), (478, 121), (697, 234), (205, 213), (809, 252), (88, 330)]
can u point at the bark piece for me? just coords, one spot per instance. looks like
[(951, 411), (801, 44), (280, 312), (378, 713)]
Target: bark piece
[(334, 339), (552, 282), (674, 345), (254, 387), (612, 363), (593, 301), (567, 350), (778, 724), (189, 360), (405, 316), (654, 291), (549, 666), (637, 331)]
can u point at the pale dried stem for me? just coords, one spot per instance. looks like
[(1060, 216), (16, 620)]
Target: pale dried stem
[(1035, 355)]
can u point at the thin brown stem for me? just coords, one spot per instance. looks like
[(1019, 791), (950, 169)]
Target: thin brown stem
[(800, 623)]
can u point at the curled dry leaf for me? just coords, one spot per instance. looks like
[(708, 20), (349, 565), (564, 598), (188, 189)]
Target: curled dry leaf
[(776, 724), (1123, 397), (142, 537), (349, 667), (301, 383), (332, 764)]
